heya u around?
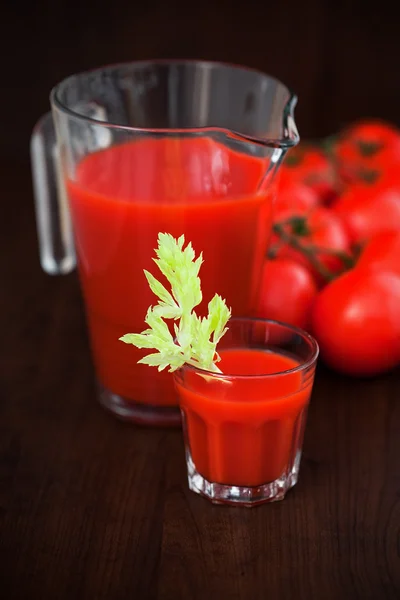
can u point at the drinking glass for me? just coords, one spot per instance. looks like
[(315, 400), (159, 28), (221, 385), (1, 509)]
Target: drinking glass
[(244, 428)]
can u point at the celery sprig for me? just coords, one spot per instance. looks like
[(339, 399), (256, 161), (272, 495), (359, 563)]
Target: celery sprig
[(196, 338)]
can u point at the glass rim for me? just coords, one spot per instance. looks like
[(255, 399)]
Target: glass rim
[(303, 366), (287, 141)]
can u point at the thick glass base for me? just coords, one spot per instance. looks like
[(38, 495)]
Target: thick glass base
[(135, 412), (234, 495)]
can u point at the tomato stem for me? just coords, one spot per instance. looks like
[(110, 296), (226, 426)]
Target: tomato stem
[(273, 250), (293, 242), (292, 239), (347, 260), (368, 149)]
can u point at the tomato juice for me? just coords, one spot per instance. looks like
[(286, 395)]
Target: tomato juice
[(121, 198), (245, 431)]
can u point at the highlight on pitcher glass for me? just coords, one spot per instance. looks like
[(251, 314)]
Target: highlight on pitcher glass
[(130, 150)]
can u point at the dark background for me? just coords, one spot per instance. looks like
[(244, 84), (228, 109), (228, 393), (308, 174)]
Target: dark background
[(93, 508), (341, 58)]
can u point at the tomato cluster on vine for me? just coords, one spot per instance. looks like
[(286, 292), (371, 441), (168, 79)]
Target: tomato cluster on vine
[(333, 265)]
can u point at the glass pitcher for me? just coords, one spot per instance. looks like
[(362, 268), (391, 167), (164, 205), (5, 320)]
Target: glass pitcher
[(131, 150)]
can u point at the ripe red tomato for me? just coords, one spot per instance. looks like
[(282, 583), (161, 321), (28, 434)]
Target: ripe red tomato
[(309, 165), (321, 232), (288, 291), (382, 252), (356, 320), (295, 195), (367, 210), (364, 146)]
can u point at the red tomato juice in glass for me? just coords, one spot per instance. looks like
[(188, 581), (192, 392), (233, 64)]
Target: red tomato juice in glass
[(244, 432), (120, 199)]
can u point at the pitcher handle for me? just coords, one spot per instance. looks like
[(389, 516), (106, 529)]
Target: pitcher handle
[(53, 221)]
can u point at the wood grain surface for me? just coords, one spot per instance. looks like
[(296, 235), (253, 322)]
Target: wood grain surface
[(94, 508)]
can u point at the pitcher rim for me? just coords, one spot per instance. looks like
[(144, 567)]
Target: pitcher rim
[(288, 140)]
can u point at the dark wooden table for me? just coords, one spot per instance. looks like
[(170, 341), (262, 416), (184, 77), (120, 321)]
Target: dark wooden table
[(94, 508), (91, 508)]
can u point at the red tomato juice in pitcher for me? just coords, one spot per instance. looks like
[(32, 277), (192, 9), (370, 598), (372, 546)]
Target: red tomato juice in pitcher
[(120, 199)]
